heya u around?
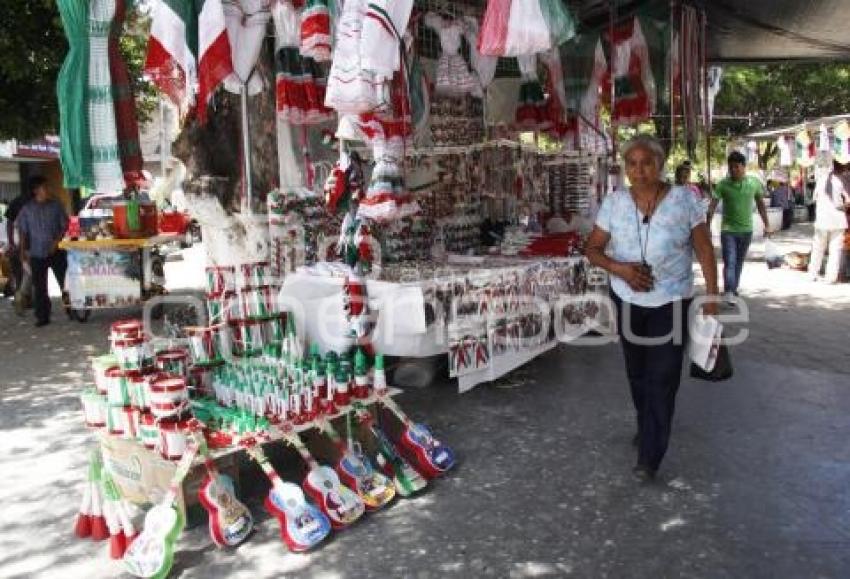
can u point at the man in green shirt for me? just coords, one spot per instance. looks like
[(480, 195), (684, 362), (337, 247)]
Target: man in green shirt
[(738, 192)]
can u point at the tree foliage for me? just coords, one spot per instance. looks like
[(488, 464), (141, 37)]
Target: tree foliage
[(32, 49), (766, 96)]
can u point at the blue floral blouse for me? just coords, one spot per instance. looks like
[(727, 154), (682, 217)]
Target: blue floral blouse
[(667, 238)]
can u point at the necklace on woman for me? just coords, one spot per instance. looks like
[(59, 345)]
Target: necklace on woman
[(647, 220)]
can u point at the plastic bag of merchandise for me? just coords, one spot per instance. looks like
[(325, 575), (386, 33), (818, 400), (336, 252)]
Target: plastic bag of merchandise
[(494, 28), (772, 255)]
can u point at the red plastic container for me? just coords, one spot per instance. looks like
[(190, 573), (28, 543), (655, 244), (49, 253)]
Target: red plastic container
[(147, 220), (173, 222)]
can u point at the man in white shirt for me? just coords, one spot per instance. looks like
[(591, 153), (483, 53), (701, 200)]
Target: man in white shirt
[(832, 197)]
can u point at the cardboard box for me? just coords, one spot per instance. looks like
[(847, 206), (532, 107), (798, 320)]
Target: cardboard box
[(143, 476)]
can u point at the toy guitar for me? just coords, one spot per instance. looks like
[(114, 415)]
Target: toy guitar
[(406, 479), (430, 456), (356, 471), (302, 525), (322, 484), (151, 555), (230, 521)]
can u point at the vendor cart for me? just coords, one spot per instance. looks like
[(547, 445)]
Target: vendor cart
[(113, 273)]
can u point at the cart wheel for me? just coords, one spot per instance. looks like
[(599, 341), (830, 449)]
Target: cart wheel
[(81, 316)]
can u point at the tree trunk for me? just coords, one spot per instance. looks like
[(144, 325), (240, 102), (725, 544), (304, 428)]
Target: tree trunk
[(215, 149), (212, 154)]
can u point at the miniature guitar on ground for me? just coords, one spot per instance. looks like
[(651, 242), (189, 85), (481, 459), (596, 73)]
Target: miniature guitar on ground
[(302, 525), (322, 484), (151, 555), (230, 521), (356, 470), (430, 456), (406, 479)]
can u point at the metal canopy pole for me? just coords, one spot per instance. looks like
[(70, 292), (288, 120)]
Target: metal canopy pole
[(671, 91), (246, 146), (163, 144), (707, 121), (612, 17)]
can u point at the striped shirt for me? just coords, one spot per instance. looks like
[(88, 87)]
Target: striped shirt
[(42, 224)]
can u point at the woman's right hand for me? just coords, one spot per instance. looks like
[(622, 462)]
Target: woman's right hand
[(636, 275)]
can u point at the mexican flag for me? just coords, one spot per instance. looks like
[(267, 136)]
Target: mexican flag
[(805, 148), (188, 51)]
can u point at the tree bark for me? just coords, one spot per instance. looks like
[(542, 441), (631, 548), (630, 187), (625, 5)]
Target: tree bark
[(215, 149)]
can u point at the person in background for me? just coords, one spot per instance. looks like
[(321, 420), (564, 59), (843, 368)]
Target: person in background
[(738, 192), (832, 197), (646, 237), (23, 287), (42, 223), (809, 197), (781, 198), (683, 179)]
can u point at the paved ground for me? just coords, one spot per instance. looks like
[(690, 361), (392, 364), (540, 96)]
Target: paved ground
[(754, 484)]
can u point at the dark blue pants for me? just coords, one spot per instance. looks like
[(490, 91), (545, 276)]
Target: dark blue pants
[(654, 371), (735, 247), (58, 262)]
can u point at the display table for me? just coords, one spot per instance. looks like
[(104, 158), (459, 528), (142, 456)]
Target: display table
[(110, 273), (431, 312)]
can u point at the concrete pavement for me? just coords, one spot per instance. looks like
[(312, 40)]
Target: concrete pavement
[(754, 484)]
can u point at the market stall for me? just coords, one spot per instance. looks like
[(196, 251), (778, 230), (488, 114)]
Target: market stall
[(113, 273), (439, 165)]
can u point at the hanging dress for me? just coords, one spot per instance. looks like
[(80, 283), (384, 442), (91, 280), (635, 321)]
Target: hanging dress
[(453, 76), (386, 198), (71, 91), (246, 22), (300, 86), (384, 26), (366, 54), (632, 71), (316, 31), (127, 128), (106, 164), (351, 89)]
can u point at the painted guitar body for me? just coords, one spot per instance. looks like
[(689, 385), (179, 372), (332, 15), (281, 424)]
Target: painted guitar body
[(302, 526), (406, 479), (356, 471), (230, 521), (337, 501), (152, 553), (430, 456)]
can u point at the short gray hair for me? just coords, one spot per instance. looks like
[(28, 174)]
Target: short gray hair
[(648, 142)]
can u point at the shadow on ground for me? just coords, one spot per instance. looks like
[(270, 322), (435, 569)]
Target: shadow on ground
[(754, 484)]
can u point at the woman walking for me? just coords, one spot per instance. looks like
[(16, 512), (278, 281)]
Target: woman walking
[(645, 237)]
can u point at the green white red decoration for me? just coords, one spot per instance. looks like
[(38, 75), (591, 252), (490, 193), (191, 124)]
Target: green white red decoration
[(188, 44), (634, 84)]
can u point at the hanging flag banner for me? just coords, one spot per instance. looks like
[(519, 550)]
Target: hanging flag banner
[(786, 158), (841, 142), (805, 149), (188, 46)]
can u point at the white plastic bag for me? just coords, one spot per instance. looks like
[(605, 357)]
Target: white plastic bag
[(706, 333), (772, 255)]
